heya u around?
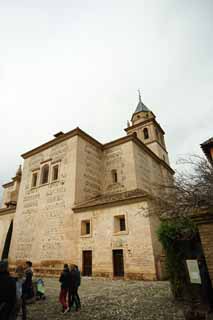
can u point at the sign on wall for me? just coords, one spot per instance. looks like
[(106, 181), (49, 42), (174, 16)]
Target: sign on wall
[(194, 272)]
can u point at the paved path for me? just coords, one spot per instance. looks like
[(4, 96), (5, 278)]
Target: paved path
[(105, 299)]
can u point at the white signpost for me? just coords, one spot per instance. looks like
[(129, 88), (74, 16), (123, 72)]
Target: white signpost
[(194, 272)]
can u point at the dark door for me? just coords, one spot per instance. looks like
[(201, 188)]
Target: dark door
[(118, 263), (87, 263), (6, 249)]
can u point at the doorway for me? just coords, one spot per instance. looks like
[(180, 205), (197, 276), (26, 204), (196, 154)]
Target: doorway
[(87, 263), (6, 249), (118, 263)]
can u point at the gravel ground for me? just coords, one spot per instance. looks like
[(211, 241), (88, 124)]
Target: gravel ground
[(105, 299)]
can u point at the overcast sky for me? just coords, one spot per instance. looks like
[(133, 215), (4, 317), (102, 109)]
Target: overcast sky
[(70, 63)]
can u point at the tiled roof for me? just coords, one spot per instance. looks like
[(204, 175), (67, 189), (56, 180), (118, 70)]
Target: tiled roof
[(141, 107), (111, 198)]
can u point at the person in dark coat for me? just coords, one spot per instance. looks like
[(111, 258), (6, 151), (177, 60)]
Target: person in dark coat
[(78, 283), (73, 288), (7, 293), (64, 280), (28, 292)]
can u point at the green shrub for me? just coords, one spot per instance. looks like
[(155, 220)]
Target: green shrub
[(170, 234)]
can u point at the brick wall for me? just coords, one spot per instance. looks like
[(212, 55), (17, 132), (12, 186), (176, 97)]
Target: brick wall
[(206, 235)]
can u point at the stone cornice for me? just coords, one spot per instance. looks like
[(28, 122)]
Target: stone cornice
[(118, 141), (4, 211), (8, 184), (114, 199), (133, 137), (157, 143), (61, 138), (153, 155), (110, 204), (81, 133), (144, 122)]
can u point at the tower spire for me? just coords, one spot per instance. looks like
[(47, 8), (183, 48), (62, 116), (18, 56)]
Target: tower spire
[(141, 106)]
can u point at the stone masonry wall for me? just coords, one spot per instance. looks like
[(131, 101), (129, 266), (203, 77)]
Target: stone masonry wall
[(43, 219), (135, 241), (89, 171), (121, 159)]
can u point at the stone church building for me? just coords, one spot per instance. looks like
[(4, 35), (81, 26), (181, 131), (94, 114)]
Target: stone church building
[(83, 202)]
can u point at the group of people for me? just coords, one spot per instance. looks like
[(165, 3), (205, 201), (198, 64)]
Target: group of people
[(17, 290), (14, 291), (70, 280)]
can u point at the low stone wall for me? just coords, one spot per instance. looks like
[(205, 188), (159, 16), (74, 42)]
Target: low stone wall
[(41, 271)]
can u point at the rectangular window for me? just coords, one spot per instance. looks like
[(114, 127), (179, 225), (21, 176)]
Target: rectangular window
[(122, 224), (45, 174), (119, 223), (114, 176), (55, 172), (85, 227), (34, 179)]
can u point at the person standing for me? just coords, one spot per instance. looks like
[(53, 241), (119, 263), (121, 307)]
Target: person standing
[(78, 283), (20, 301), (73, 289), (28, 283), (7, 293), (64, 280)]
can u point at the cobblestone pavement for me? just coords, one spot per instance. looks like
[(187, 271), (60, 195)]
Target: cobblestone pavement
[(105, 299)]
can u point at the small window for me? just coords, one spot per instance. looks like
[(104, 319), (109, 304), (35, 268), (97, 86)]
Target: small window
[(119, 223), (122, 224), (114, 176), (85, 227), (45, 174), (34, 179), (55, 173), (146, 133)]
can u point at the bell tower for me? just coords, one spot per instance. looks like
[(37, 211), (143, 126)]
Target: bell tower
[(148, 130)]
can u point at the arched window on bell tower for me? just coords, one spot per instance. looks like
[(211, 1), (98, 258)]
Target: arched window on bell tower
[(145, 133)]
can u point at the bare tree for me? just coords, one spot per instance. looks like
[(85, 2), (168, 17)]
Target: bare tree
[(191, 190)]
